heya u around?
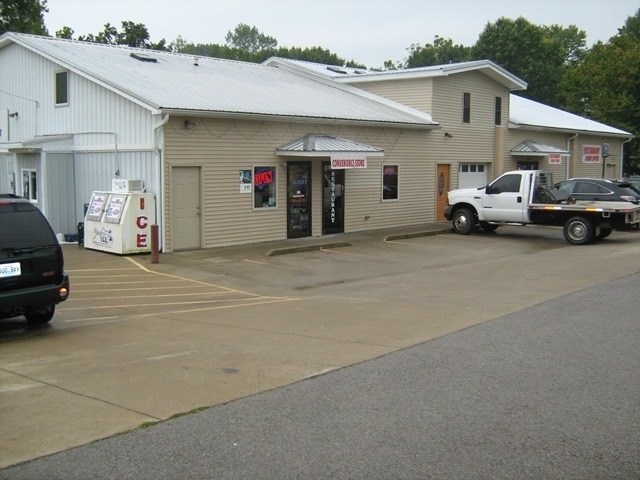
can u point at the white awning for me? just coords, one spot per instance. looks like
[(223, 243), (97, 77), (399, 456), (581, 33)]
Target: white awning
[(35, 144)]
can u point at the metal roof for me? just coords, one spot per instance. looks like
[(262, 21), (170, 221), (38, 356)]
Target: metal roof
[(531, 148), (323, 145), (523, 113), (352, 75), (528, 114), (166, 82)]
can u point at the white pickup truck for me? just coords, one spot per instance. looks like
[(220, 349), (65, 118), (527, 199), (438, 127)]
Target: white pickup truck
[(527, 197)]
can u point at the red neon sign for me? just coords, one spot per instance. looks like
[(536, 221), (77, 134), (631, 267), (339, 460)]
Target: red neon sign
[(263, 178)]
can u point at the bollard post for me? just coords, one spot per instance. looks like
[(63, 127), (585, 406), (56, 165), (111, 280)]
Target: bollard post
[(155, 254)]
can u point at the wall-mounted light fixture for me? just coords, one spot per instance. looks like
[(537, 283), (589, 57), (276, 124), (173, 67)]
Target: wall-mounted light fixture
[(447, 135), (189, 124), (13, 115)]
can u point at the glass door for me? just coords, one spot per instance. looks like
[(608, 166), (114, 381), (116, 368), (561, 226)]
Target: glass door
[(332, 200), (298, 199)]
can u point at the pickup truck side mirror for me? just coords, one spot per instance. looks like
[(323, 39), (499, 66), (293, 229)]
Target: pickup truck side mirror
[(488, 190)]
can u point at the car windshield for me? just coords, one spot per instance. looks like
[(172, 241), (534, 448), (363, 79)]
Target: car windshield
[(22, 227)]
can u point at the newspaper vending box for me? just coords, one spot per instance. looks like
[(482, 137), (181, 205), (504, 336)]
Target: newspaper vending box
[(120, 222)]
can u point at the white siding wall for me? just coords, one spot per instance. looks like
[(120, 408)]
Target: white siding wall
[(110, 135), (28, 86), (222, 148)]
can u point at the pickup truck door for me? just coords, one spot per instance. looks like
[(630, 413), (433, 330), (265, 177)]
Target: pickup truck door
[(503, 200)]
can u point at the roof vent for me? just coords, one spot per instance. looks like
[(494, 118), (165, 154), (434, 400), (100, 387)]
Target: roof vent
[(143, 57), (336, 70)]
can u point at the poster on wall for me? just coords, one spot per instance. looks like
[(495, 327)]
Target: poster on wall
[(245, 181)]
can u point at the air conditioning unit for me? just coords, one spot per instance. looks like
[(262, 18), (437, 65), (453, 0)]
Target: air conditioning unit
[(127, 185)]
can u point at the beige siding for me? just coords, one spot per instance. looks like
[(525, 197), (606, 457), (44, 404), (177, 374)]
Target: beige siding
[(608, 168), (514, 137), (568, 142), (415, 93), (474, 141), (221, 148)]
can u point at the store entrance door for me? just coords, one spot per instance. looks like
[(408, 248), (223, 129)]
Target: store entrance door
[(332, 200), (298, 199)]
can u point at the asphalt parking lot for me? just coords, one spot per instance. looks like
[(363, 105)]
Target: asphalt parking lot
[(140, 342)]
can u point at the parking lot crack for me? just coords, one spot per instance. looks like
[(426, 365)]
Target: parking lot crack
[(84, 395)]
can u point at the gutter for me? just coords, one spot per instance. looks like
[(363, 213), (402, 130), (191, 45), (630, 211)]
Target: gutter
[(292, 118), (570, 155), (622, 155)]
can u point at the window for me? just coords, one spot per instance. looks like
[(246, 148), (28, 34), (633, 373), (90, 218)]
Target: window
[(471, 168), (389, 182), (498, 112), (62, 88), (466, 108), (264, 187), (30, 184), (507, 183)]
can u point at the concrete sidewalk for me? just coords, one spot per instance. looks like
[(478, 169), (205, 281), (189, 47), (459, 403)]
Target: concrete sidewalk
[(296, 245)]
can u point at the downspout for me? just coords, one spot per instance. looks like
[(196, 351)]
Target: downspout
[(622, 155), (160, 200), (567, 173)]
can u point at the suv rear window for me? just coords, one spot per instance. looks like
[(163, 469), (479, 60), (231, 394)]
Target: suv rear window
[(22, 226)]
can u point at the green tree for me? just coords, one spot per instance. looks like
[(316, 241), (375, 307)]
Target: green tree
[(605, 86), (65, 32), (249, 39), (539, 55), (132, 35), (441, 52), (23, 16)]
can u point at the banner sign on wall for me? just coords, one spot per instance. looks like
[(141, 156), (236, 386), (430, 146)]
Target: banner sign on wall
[(339, 162), (591, 153), (555, 159)]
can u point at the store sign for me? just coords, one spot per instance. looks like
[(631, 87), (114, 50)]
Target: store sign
[(142, 222), (264, 178), (555, 159), (591, 153), (332, 213), (340, 162)]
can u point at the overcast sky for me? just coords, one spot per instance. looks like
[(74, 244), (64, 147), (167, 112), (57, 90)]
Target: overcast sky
[(367, 31)]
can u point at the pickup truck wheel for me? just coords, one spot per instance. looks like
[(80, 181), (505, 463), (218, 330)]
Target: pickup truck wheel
[(41, 315), (578, 231), (463, 221)]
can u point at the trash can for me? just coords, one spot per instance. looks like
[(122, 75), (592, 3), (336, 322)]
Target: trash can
[(81, 234)]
